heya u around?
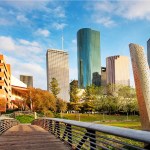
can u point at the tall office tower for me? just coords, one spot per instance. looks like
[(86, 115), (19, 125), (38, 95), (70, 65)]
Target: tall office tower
[(118, 70), (58, 68), (28, 80), (148, 52), (142, 83), (5, 85), (103, 76), (88, 51)]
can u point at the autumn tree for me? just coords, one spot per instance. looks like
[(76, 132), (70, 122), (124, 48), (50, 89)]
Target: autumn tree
[(42, 101)]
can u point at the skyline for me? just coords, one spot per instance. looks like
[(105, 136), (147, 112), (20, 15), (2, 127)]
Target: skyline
[(28, 29)]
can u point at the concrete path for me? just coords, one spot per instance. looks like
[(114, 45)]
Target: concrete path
[(30, 137)]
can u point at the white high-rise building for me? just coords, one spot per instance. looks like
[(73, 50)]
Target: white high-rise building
[(58, 68)]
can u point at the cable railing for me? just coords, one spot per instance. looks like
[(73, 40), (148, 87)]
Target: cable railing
[(5, 124), (82, 135)]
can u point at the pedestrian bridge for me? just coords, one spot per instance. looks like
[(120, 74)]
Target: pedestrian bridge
[(61, 134)]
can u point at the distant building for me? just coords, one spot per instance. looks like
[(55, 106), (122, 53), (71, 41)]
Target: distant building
[(118, 70), (28, 80), (148, 52), (88, 55), (5, 85), (58, 68), (103, 76)]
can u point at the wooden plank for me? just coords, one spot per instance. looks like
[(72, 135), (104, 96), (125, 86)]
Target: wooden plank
[(30, 137)]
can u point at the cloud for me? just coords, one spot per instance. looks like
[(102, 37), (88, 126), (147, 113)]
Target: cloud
[(22, 18), (4, 22), (106, 21), (42, 32), (20, 47), (7, 43), (59, 26), (19, 67), (134, 9), (105, 12), (27, 5)]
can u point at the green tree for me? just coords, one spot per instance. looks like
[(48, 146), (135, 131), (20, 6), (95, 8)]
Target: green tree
[(74, 91), (127, 100), (54, 87)]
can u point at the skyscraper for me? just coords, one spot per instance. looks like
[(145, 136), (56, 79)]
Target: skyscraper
[(118, 70), (88, 55), (58, 68), (148, 52), (28, 80)]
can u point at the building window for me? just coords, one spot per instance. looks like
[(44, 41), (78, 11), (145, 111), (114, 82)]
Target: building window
[(0, 87)]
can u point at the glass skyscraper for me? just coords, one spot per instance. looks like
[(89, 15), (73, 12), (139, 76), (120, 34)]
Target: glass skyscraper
[(148, 52), (89, 63)]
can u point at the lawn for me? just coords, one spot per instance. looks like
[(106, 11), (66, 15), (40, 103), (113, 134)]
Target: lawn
[(112, 120), (25, 118)]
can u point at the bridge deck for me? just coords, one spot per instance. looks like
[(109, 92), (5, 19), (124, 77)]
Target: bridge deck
[(30, 137)]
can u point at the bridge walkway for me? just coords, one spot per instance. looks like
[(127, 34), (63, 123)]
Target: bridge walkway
[(30, 137)]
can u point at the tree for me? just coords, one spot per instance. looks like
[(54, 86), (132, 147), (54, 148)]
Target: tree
[(74, 91), (127, 96), (42, 101), (54, 87)]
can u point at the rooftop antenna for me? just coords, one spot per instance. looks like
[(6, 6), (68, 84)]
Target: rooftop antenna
[(62, 38)]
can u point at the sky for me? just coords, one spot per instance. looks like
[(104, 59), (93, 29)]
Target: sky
[(29, 27)]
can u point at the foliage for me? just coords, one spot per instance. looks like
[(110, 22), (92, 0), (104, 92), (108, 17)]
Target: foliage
[(61, 105), (25, 118), (41, 100), (74, 91), (54, 87), (122, 100)]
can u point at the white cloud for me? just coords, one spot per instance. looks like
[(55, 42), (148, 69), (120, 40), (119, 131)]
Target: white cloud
[(19, 67), (22, 18), (19, 46), (103, 12), (28, 5), (59, 12), (106, 21), (4, 21), (59, 26), (134, 9), (43, 32), (7, 43)]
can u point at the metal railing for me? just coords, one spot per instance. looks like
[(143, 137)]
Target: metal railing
[(82, 135), (5, 124)]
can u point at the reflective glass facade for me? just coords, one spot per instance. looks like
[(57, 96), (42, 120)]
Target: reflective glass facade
[(148, 52), (88, 51)]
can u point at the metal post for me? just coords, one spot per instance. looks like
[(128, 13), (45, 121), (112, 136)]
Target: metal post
[(58, 129), (92, 138), (69, 134)]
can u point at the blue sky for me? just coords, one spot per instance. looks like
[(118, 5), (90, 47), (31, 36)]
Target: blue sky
[(29, 28)]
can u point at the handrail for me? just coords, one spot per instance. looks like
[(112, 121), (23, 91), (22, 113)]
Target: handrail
[(5, 124), (94, 132)]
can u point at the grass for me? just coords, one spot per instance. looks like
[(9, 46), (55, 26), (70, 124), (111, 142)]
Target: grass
[(112, 120), (25, 118)]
